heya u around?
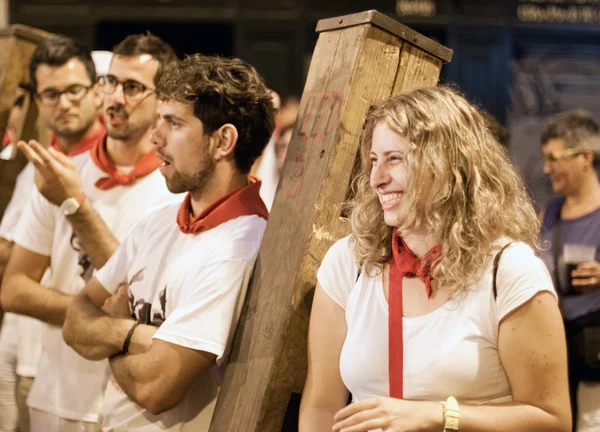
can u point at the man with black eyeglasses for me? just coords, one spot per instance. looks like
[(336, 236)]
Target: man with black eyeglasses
[(62, 78), (75, 220)]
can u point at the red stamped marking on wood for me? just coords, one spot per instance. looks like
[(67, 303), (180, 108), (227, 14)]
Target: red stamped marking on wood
[(321, 116), (319, 120)]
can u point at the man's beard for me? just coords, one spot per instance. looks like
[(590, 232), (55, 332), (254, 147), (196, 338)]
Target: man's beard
[(126, 134), (196, 182), (79, 132)]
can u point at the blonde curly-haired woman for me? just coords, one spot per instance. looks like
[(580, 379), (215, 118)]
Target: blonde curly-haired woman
[(437, 295)]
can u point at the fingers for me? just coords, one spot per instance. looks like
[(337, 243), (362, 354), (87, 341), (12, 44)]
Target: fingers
[(586, 270), (354, 408), (591, 265), (62, 158), (363, 421), (39, 156), (585, 282), (51, 161), (123, 290), (31, 154)]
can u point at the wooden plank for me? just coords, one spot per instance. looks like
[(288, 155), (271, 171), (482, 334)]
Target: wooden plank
[(389, 25), (352, 68), (417, 69), (17, 44)]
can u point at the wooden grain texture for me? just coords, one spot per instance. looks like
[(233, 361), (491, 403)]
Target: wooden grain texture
[(417, 69), (351, 69), (390, 26), (17, 44)]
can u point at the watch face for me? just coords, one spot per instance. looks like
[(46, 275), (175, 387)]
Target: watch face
[(70, 206)]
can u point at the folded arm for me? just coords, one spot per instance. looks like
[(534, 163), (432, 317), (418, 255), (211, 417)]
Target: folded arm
[(21, 290), (6, 247), (159, 378), (96, 335)]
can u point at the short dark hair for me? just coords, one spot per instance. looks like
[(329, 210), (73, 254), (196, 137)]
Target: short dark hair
[(496, 128), (577, 128), (138, 44), (56, 51), (225, 90)]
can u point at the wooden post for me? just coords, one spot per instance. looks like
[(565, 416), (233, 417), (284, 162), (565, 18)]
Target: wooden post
[(17, 43), (358, 60)]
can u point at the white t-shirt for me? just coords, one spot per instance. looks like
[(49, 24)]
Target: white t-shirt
[(452, 351), (193, 287), (68, 385), (26, 330)]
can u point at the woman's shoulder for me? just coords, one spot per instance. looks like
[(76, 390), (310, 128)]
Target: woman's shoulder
[(521, 274), (514, 251), (341, 254), (338, 271)]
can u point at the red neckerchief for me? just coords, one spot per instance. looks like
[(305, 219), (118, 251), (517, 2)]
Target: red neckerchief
[(87, 142), (147, 164), (403, 263), (6, 139), (242, 202)]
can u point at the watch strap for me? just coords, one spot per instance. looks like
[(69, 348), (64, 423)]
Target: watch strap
[(451, 414)]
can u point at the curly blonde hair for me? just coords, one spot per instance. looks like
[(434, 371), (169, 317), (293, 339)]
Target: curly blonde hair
[(460, 186)]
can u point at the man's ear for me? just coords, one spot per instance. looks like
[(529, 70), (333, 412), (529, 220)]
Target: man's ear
[(98, 96), (225, 139), (589, 158)]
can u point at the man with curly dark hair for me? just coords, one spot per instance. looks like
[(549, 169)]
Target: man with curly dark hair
[(182, 273)]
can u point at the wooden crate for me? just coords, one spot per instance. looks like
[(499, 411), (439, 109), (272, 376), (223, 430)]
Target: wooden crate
[(359, 60), (17, 43)]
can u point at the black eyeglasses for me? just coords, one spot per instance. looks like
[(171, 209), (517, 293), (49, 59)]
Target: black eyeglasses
[(132, 90), (50, 97)]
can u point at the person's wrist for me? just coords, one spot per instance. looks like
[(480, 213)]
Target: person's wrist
[(71, 205), (435, 417), (121, 330)]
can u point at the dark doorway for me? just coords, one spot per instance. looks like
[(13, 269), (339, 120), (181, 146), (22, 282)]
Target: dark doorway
[(213, 38)]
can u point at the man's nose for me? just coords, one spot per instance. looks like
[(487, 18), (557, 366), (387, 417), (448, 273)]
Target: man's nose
[(64, 102), (156, 136), (118, 96)]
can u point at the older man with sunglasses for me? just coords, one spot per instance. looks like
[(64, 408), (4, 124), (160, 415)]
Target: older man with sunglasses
[(75, 222), (571, 225)]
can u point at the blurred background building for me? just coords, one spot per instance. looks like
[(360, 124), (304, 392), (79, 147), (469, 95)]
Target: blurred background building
[(521, 60)]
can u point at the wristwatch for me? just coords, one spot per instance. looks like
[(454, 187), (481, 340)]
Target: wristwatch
[(70, 206), (451, 414)]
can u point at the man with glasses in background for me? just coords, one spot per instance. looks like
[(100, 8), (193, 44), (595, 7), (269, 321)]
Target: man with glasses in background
[(74, 222), (571, 223), (62, 78)]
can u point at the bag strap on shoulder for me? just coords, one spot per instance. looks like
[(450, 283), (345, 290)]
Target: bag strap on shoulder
[(495, 271)]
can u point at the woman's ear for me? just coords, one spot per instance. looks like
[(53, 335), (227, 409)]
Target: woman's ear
[(225, 139)]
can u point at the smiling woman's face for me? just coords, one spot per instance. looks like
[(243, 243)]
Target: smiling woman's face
[(388, 174)]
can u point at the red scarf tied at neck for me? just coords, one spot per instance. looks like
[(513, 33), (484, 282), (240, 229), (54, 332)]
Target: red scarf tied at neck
[(146, 165), (241, 202), (87, 142), (404, 263)]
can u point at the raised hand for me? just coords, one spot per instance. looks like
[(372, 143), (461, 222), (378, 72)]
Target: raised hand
[(56, 177)]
